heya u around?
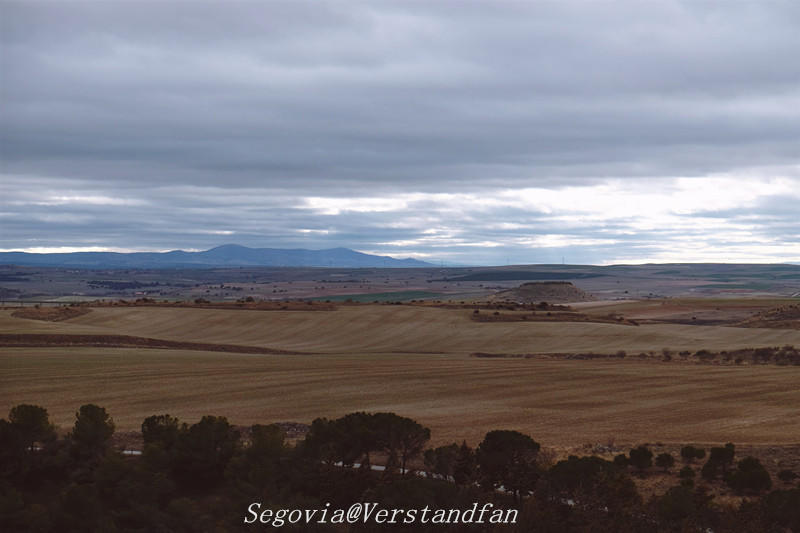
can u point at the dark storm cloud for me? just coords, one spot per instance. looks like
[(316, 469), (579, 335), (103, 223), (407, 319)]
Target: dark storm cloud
[(163, 125)]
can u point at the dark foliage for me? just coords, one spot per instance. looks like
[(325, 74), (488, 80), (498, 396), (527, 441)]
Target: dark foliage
[(749, 477), (690, 453), (641, 458), (719, 461), (665, 461), (508, 459), (202, 477), (92, 431)]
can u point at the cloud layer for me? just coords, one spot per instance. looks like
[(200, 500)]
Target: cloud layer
[(469, 132)]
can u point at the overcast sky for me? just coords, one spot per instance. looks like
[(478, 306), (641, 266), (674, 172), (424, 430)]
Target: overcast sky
[(465, 132)]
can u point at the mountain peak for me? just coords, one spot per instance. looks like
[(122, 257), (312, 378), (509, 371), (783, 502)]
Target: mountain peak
[(226, 255)]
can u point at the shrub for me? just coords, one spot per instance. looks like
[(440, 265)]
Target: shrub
[(783, 507), (699, 453), (665, 461), (621, 460), (677, 504), (596, 482), (690, 453), (750, 476), (641, 458), (719, 460)]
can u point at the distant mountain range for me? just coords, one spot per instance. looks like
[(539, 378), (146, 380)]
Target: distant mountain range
[(229, 255)]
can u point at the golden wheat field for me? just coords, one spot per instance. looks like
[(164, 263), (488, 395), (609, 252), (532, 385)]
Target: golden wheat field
[(416, 362), (395, 329)]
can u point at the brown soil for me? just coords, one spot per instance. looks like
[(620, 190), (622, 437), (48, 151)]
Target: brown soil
[(740, 312), (32, 340), (549, 316), (200, 303), (363, 329), (50, 314), (784, 317), (544, 291)]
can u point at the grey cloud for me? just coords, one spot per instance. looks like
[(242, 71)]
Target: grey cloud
[(181, 105)]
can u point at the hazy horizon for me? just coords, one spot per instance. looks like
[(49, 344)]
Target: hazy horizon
[(433, 263), (469, 133)]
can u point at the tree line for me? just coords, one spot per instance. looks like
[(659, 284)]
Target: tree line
[(203, 476)]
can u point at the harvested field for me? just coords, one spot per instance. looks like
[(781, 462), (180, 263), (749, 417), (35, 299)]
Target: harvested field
[(399, 329), (710, 311), (413, 360), (50, 314), (44, 340), (559, 402), (781, 317)]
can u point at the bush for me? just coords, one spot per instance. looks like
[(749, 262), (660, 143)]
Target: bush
[(677, 504), (718, 462), (690, 453), (783, 508), (621, 460), (665, 461), (750, 476), (598, 484), (641, 458), (699, 453)]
